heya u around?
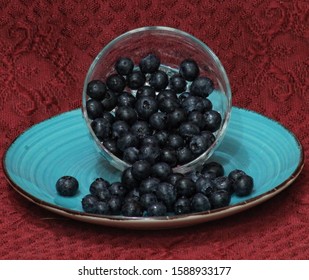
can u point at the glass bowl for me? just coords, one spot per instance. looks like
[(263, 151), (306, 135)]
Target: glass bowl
[(172, 46)]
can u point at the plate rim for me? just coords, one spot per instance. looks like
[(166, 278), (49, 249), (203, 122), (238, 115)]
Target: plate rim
[(160, 222)]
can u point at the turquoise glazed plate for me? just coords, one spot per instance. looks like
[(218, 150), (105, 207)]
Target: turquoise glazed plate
[(61, 146)]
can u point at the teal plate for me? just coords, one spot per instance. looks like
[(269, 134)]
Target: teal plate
[(61, 146)]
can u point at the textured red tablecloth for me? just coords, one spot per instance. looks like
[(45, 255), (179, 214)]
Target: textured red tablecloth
[(46, 48)]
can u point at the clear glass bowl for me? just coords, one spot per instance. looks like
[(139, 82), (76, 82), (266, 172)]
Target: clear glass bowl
[(172, 46)]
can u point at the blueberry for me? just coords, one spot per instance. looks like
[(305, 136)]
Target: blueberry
[(110, 118), (168, 105), (136, 79), (205, 186), (150, 63), (145, 91), (202, 86), (193, 103), (235, 174), (98, 185), (67, 186), (210, 138), (89, 203), (119, 129), (158, 120), (224, 183), (156, 209), (182, 206), (198, 145), (208, 174), (194, 175), (111, 145), (162, 137), (148, 199), (150, 140), (102, 208), (130, 155), (166, 93), (115, 204), (96, 89), (94, 109), (128, 180), (146, 106), (188, 129), (175, 118), (189, 69), (212, 120), (206, 104), (104, 195), (132, 209), (124, 66), (174, 177), (199, 203), (110, 101), (116, 83), (185, 187), (213, 166), (184, 155), (126, 113), (126, 141), (197, 118), (118, 189), (126, 99), (161, 170), (149, 185), (166, 193), (178, 83), (141, 169), (151, 153), (101, 128), (243, 185), (158, 80), (175, 141), (169, 156), (132, 195), (141, 129), (219, 199)]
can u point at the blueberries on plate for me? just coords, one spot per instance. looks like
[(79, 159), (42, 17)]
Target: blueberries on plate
[(67, 186)]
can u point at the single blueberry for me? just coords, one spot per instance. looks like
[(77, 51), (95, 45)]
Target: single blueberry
[(124, 66), (99, 184), (184, 155), (150, 140), (212, 120), (219, 199), (182, 206), (189, 69), (118, 189), (146, 106), (67, 186), (205, 186), (126, 141), (175, 118), (132, 195), (235, 174), (141, 169), (111, 146), (193, 103), (145, 91), (185, 187), (149, 185), (178, 83), (158, 120), (126, 99), (199, 203), (243, 185), (166, 193), (116, 83), (151, 153), (110, 101), (168, 105), (101, 128), (162, 137), (175, 141), (150, 63), (119, 129), (197, 118), (161, 170), (89, 203), (169, 156), (166, 93), (174, 177), (96, 89), (94, 109), (102, 208), (158, 80), (126, 113), (202, 86), (130, 155), (128, 180), (109, 117), (148, 199), (194, 175), (198, 145), (132, 209), (141, 129), (156, 209), (188, 129), (210, 138), (136, 79), (224, 183), (115, 204), (213, 166)]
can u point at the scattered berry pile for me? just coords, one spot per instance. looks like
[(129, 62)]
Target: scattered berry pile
[(142, 113), (155, 190)]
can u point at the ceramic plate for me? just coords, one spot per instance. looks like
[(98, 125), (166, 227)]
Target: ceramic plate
[(62, 146)]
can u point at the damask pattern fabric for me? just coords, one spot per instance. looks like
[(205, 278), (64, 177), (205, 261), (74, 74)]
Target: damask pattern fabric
[(46, 48)]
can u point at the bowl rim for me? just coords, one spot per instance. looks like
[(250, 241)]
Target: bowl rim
[(220, 133)]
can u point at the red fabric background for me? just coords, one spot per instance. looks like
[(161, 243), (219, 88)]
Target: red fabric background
[(46, 48)]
